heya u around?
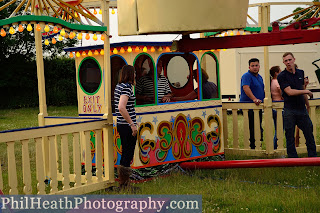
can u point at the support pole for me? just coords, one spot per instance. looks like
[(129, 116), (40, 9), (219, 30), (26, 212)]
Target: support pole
[(108, 131), (41, 81), (42, 94), (268, 122)]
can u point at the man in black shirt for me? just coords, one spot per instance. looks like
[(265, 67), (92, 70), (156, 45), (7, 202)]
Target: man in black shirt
[(291, 82)]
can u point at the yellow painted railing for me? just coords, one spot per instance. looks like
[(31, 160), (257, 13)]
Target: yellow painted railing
[(23, 171), (236, 129)]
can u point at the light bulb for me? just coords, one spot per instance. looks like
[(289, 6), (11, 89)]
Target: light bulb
[(95, 12), (84, 53), (29, 27), (46, 28), (129, 49), (122, 50), (55, 30), (115, 51), (79, 36), (78, 54), (38, 27), (3, 33), (11, 31), (96, 52), (53, 41), (100, 11), (95, 37), (87, 36), (71, 55), (152, 49), (60, 38), (20, 28), (160, 49), (102, 52), (72, 35), (137, 49), (102, 37), (90, 53), (46, 42), (62, 32), (113, 12), (145, 49)]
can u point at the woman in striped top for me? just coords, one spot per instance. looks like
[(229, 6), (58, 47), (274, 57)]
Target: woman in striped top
[(126, 122)]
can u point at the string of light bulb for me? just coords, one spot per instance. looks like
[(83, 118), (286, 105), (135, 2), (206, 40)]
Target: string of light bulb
[(122, 50), (62, 33)]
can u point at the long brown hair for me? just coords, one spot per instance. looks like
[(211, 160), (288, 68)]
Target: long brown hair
[(204, 75), (127, 74)]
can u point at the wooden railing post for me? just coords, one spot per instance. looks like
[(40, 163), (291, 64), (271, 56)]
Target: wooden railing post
[(235, 128), (264, 20), (42, 94), (225, 128), (245, 129), (108, 131)]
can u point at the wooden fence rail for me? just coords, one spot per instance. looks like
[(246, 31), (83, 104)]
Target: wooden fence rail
[(236, 137), (70, 147)]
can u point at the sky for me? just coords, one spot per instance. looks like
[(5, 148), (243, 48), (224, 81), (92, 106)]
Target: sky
[(276, 13)]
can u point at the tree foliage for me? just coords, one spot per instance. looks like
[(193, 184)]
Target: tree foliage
[(295, 17), (23, 43), (18, 71), (19, 84)]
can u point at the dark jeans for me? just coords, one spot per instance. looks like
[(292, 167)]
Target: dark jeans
[(275, 138), (128, 143), (251, 127), (291, 118)]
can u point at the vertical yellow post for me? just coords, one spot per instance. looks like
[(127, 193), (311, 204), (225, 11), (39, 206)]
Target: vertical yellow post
[(108, 131), (268, 122), (42, 93)]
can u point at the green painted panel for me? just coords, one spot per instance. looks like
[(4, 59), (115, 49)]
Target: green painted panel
[(49, 19)]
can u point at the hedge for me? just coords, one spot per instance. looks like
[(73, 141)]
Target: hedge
[(19, 84)]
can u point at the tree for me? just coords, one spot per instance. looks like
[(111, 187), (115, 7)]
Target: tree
[(23, 43), (304, 12), (18, 73)]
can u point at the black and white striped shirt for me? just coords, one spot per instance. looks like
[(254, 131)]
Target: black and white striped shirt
[(145, 86), (163, 87), (125, 89)]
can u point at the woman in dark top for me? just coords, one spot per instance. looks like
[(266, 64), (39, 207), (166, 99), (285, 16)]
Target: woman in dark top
[(126, 122), (209, 89)]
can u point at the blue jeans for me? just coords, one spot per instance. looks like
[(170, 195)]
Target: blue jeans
[(275, 138), (291, 118)]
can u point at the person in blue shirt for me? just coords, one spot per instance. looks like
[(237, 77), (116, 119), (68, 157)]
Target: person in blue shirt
[(252, 90), (291, 82)]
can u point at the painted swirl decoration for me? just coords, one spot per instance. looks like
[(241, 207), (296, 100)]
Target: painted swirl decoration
[(181, 138)]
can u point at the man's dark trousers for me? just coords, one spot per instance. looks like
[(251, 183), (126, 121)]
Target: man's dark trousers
[(291, 118), (251, 127)]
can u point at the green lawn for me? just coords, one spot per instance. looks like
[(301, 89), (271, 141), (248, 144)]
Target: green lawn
[(294, 189)]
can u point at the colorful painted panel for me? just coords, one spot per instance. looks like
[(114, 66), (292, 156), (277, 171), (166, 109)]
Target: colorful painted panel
[(175, 135)]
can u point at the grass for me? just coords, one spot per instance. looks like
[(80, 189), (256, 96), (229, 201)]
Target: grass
[(293, 189), (28, 117)]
